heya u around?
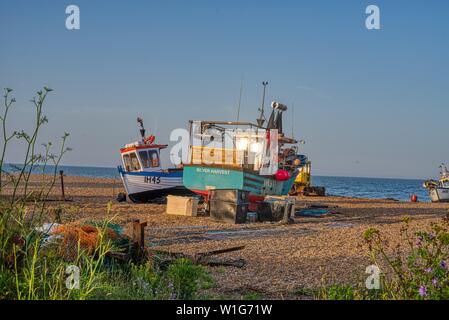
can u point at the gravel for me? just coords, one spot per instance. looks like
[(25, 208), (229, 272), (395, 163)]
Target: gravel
[(281, 260)]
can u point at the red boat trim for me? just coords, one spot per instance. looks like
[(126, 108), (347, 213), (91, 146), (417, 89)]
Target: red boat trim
[(150, 146)]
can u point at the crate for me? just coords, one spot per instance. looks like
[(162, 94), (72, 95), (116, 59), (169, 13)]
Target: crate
[(230, 195), (274, 211), (183, 206), (228, 211)]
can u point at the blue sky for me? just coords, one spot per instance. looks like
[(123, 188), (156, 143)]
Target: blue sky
[(368, 102)]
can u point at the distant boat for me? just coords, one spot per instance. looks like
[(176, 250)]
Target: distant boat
[(439, 189), (143, 175)]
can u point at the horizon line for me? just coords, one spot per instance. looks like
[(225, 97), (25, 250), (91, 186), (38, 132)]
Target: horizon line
[(317, 175)]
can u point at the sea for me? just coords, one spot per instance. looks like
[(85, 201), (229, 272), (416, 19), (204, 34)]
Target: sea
[(372, 188)]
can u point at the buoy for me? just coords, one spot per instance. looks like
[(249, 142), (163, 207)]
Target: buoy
[(414, 198), (282, 175)]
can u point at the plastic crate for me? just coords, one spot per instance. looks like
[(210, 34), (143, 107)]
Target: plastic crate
[(231, 195), (228, 211)]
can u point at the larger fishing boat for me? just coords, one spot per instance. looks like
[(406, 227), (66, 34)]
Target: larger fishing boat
[(143, 175), (242, 156), (439, 189)]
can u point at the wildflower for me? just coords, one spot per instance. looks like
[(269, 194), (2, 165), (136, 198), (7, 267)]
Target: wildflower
[(443, 264), (419, 241), (431, 236), (422, 291), (435, 282), (428, 270)]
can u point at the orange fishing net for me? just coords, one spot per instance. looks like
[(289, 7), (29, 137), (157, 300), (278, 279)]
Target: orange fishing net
[(78, 239)]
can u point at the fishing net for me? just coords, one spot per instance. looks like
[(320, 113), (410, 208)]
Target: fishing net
[(85, 239)]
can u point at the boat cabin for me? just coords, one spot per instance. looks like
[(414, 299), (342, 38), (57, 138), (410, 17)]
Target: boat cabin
[(444, 182), (444, 176), (139, 156), (243, 145)]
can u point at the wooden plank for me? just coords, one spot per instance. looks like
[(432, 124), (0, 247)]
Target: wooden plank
[(219, 251)]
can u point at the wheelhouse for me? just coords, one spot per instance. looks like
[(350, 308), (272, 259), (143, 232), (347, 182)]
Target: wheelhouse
[(244, 145), (139, 157)]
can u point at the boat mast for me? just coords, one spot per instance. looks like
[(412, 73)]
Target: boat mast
[(261, 119), (293, 121), (444, 171), (240, 100), (142, 129)]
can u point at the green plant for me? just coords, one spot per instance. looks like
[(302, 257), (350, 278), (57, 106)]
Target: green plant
[(8, 102), (186, 278), (417, 267), (34, 266), (252, 295), (23, 269), (338, 292)]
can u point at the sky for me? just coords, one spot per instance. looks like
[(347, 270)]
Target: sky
[(370, 103)]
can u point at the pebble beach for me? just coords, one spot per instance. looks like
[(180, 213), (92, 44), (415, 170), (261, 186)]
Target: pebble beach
[(282, 261)]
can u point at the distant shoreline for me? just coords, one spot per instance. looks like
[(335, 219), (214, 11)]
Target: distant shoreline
[(318, 176)]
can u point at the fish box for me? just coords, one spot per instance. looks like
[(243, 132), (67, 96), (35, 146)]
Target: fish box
[(183, 206), (274, 211), (231, 195), (228, 211)]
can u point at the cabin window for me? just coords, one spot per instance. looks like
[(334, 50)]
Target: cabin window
[(135, 166), (154, 156), (150, 158), (145, 159), (127, 162)]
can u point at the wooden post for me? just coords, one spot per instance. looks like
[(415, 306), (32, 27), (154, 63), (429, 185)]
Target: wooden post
[(288, 209), (58, 212), (135, 232), (142, 236), (61, 174), (138, 235)]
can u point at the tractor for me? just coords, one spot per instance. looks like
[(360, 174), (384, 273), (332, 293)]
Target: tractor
[(303, 184)]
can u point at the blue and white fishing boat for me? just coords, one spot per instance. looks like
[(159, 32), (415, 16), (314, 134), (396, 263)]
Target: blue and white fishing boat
[(143, 175)]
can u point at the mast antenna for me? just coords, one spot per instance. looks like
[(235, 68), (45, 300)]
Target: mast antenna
[(293, 120), (261, 119), (240, 100)]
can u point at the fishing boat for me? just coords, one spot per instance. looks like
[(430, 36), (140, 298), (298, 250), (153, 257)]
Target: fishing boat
[(242, 156), (439, 189), (142, 173)]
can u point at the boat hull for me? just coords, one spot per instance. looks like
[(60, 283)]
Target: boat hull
[(200, 179), (145, 186), (439, 194)]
